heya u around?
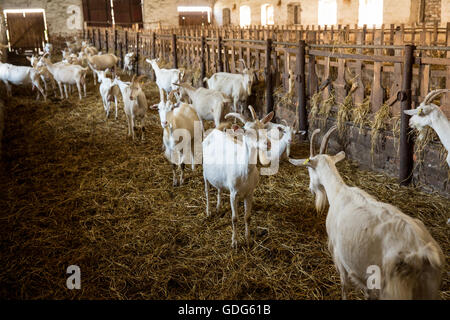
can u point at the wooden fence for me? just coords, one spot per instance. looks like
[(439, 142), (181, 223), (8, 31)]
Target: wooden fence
[(395, 66)]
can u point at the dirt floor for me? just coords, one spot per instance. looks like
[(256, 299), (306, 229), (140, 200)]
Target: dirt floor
[(76, 191)]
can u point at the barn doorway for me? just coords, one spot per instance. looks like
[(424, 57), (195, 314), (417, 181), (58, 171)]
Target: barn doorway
[(26, 29), (194, 16)]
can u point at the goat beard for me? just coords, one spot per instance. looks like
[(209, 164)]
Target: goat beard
[(321, 200)]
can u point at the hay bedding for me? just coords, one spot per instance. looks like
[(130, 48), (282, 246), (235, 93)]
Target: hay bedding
[(75, 190)]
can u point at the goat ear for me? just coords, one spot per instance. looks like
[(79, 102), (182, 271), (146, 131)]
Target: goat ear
[(268, 117), (411, 112), (338, 157)]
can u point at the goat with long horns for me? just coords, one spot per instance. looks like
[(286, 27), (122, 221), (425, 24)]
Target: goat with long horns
[(375, 246)]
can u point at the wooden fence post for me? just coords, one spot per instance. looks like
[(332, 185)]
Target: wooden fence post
[(302, 116), (137, 52), (203, 60), (406, 144), (107, 40), (115, 41), (121, 54), (174, 51), (268, 73), (153, 45), (99, 34), (219, 52), (126, 42)]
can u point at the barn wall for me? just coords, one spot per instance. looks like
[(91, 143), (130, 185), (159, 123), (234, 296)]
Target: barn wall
[(347, 11), (164, 12), (64, 17), (2, 124), (309, 14), (445, 11), (2, 31), (395, 11)]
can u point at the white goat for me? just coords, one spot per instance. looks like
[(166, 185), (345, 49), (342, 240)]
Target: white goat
[(165, 78), (429, 114), (45, 75), (48, 48), (236, 86), (67, 74), (209, 104), (19, 75), (75, 46), (178, 124), (108, 91), (283, 136), (365, 235), (102, 62), (134, 103), (128, 62), (231, 165)]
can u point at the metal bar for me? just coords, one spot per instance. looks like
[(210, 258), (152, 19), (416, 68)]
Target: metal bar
[(302, 116), (406, 144), (268, 72)]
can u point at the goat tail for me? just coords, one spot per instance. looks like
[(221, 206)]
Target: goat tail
[(414, 275), (205, 79)]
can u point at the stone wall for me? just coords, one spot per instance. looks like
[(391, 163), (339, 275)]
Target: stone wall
[(432, 10), (394, 11), (64, 17), (2, 34), (164, 12)]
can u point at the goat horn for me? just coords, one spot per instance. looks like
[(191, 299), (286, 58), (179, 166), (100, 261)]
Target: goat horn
[(171, 95), (312, 152), (235, 115), (139, 78), (243, 62), (433, 94), (326, 137), (285, 122), (252, 111)]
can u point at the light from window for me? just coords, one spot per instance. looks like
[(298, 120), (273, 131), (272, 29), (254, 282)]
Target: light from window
[(327, 12), (370, 13), (244, 16), (267, 14)]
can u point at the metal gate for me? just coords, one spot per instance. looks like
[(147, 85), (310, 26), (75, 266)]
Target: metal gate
[(26, 30)]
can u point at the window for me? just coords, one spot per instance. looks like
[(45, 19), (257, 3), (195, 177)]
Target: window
[(294, 13), (370, 12), (244, 16), (267, 14), (327, 12)]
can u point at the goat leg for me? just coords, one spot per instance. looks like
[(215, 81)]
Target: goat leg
[(248, 203), (234, 218)]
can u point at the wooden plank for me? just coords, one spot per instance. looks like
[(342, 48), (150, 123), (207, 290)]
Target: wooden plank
[(377, 93)]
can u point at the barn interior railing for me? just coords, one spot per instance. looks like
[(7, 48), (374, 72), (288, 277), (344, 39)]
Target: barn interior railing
[(394, 66)]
